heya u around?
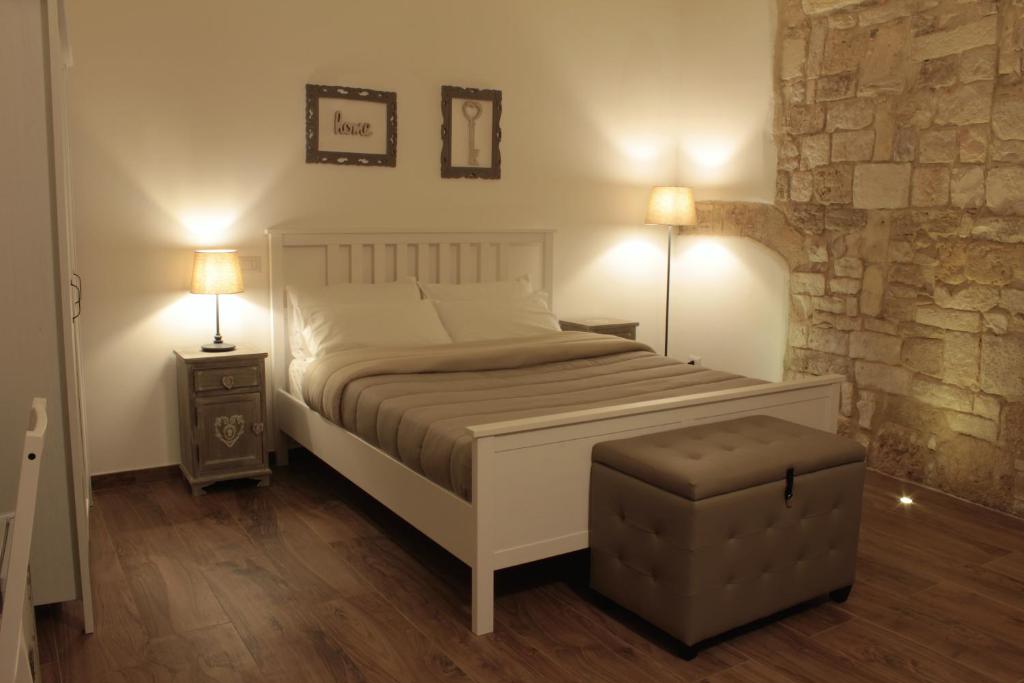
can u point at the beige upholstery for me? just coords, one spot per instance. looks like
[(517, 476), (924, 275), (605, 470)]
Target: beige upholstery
[(690, 528)]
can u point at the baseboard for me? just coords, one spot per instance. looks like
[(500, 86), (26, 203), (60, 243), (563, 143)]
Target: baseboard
[(114, 479)]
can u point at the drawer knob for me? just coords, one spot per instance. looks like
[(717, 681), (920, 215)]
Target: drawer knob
[(228, 381), (257, 428)]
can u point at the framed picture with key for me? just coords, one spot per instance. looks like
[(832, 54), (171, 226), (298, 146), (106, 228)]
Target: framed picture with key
[(470, 133)]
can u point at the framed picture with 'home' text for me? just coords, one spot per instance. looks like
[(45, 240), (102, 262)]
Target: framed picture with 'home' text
[(351, 126)]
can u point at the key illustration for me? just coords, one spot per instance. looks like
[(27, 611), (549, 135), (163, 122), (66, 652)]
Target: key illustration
[(472, 110)]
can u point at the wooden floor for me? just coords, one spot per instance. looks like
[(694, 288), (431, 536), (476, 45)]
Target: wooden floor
[(310, 580)]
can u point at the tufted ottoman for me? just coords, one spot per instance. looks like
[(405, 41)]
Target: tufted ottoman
[(703, 529)]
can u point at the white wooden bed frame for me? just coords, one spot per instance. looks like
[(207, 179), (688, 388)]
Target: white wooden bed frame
[(531, 476)]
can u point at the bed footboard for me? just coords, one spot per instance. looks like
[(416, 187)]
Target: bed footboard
[(531, 478)]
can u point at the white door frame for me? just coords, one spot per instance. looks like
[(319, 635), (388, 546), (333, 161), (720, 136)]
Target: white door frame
[(70, 296)]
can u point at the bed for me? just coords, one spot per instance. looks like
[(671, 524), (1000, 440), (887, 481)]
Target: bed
[(517, 482)]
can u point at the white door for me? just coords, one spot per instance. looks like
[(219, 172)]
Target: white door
[(71, 295)]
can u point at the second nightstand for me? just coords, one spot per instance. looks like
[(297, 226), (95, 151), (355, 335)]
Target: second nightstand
[(221, 414), (620, 328)]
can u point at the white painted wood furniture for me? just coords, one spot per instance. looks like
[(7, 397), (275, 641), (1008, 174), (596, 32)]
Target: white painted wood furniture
[(19, 651), (530, 476)]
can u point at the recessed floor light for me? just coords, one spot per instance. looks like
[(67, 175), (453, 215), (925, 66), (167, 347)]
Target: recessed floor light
[(906, 500)]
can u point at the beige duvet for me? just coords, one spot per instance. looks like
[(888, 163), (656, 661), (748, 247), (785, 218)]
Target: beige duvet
[(415, 403)]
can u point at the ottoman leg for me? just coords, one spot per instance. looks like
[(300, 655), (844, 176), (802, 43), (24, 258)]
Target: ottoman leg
[(687, 652), (840, 594)]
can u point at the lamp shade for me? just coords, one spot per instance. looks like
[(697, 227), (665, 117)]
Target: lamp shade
[(671, 206), (216, 271)]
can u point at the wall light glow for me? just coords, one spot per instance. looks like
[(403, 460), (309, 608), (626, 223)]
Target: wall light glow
[(708, 257), (209, 227), (641, 150), (906, 500), (709, 153), (632, 257)]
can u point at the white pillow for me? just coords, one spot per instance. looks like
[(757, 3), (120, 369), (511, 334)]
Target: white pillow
[(303, 300), (479, 291), (479, 320), (332, 328)]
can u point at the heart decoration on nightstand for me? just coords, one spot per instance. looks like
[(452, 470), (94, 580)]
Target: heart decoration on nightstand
[(229, 429)]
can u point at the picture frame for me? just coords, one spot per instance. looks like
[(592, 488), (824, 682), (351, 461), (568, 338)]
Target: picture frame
[(351, 126), (470, 133)]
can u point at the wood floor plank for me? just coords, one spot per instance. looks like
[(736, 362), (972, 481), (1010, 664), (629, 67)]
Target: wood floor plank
[(125, 509), (314, 569), (654, 646), (317, 487), (817, 617), (275, 626), (959, 517), (802, 659), (181, 509), (1011, 565), (384, 644), (331, 520), (211, 655), (936, 566), (125, 634), (974, 631), (49, 673), (748, 672), (876, 565), (554, 629), (889, 657), (930, 530), (170, 590), (439, 612)]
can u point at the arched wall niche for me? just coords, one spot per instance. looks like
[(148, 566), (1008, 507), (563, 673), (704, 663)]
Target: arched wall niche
[(730, 304), (793, 255)]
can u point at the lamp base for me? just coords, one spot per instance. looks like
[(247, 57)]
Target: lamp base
[(217, 347)]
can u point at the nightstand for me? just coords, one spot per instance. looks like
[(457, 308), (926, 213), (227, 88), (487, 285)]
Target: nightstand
[(222, 407), (620, 328)]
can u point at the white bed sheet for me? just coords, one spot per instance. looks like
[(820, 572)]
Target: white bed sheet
[(296, 370)]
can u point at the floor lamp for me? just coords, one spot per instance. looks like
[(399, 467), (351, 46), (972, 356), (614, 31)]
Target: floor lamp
[(671, 206)]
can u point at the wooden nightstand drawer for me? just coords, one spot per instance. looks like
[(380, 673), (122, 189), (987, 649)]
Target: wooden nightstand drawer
[(229, 378)]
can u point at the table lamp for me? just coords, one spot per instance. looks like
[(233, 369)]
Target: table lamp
[(671, 206), (216, 271)]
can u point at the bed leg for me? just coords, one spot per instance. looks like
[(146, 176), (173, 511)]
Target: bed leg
[(282, 442), (483, 601)]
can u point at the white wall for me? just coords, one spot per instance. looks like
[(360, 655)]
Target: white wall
[(30, 342), (730, 305), (187, 130)]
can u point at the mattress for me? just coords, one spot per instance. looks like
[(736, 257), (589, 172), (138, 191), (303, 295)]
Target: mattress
[(415, 403)]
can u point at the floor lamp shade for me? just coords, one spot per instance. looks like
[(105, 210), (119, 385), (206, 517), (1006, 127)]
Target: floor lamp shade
[(671, 206), (217, 271)]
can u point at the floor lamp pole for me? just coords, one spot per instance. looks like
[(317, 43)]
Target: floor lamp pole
[(668, 283)]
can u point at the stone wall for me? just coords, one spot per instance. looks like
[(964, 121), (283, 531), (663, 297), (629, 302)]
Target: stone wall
[(900, 208)]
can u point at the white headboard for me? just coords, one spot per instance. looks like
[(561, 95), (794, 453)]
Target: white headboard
[(309, 259)]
